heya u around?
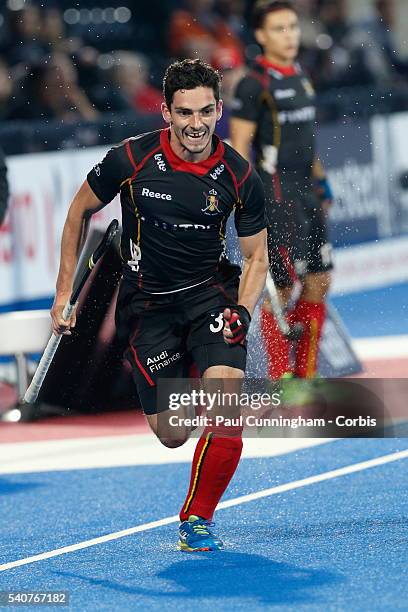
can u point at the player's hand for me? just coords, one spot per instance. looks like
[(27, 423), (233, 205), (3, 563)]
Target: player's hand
[(59, 325), (269, 159), (324, 193), (236, 324)]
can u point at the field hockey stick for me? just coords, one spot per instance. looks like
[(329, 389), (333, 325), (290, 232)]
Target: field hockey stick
[(32, 392), (291, 332)]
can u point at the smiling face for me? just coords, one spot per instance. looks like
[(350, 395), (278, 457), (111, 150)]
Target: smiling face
[(192, 116), (280, 36)]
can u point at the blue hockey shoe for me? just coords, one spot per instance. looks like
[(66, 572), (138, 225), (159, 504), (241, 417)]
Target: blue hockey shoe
[(196, 536)]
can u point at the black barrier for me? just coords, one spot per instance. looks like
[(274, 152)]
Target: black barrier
[(88, 374)]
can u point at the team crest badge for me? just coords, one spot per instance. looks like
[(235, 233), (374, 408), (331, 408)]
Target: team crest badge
[(211, 203)]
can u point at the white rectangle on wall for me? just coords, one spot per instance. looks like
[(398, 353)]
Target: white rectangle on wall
[(370, 265), (41, 187)]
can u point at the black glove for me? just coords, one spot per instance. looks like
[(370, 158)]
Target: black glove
[(239, 324)]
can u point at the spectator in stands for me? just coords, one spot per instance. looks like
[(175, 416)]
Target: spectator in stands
[(25, 35), (4, 188), (341, 63), (95, 80), (334, 16), (232, 68), (131, 74), (198, 31), (232, 13), (53, 29), (53, 34), (376, 38), (6, 91), (51, 91)]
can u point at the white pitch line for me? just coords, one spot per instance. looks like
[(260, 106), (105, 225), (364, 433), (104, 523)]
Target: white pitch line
[(243, 499), (382, 347), (117, 451)]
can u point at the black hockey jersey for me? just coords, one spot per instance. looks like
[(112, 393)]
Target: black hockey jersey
[(283, 107), (174, 212)]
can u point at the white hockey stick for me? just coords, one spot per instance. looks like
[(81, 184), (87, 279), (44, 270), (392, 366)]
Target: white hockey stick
[(293, 332)]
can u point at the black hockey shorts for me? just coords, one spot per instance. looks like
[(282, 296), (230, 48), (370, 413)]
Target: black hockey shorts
[(166, 334), (298, 241)]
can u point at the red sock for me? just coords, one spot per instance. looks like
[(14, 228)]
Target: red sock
[(277, 346), (216, 458), (312, 317)]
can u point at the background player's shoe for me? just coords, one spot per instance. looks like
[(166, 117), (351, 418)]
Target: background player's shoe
[(287, 376), (196, 536), (296, 391)]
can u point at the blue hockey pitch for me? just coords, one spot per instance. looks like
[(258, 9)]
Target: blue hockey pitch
[(338, 544)]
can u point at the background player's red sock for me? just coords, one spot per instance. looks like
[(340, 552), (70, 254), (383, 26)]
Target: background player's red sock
[(276, 345), (312, 316), (216, 458)]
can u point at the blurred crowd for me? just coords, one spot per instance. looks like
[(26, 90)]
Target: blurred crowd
[(69, 62)]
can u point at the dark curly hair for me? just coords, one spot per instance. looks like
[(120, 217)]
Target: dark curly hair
[(263, 7), (189, 74)]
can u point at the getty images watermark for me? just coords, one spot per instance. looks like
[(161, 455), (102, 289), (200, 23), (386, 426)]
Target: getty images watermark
[(303, 408), (210, 402), (250, 415)]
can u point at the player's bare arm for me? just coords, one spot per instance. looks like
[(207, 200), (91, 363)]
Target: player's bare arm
[(255, 267), (242, 135), (253, 249), (322, 185), (83, 205), (318, 171)]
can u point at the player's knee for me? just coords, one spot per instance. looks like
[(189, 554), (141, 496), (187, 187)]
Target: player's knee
[(173, 442), (222, 372), (169, 435)]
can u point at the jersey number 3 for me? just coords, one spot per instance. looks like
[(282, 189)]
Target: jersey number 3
[(220, 324)]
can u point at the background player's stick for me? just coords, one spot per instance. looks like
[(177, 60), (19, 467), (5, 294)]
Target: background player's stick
[(293, 332), (53, 343)]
